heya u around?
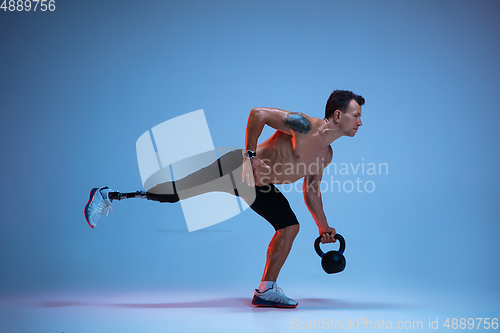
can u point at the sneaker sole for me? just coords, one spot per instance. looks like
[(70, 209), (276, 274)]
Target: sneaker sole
[(257, 301), (91, 196)]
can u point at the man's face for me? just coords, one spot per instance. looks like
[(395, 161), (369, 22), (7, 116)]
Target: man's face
[(351, 119)]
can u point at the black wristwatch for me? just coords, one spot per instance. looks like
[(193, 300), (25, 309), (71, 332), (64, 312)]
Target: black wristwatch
[(249, 154)]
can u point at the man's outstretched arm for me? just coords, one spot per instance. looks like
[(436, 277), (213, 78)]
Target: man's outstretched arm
[(314, 202)]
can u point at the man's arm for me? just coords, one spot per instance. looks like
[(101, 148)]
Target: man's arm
[(288, 122), (312, 198)]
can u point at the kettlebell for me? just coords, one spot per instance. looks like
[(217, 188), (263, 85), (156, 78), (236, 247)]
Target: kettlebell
[(332, 261)]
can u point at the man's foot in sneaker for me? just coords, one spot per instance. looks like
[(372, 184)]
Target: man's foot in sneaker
[(273, 297), (99, 202)]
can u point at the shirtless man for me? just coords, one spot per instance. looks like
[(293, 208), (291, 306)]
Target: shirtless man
[(300, 148)]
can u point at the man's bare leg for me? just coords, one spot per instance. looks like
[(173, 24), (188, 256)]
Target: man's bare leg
[(278, 251), (268, 293)]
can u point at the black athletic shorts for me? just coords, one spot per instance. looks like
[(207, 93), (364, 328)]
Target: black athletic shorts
[(272, 205)]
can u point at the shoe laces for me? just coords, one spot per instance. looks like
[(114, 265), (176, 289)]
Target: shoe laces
[(276, 295), (279, 290), (103, 205)]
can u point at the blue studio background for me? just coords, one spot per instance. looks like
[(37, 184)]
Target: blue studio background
[(79, 85)]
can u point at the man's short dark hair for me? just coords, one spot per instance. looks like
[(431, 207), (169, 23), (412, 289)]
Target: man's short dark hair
[(339, 100)]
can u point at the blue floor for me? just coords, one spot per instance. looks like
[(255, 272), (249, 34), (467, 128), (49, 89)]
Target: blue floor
[(230, 311)]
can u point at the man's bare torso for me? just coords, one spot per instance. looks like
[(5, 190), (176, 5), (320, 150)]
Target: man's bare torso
[(291, 157)]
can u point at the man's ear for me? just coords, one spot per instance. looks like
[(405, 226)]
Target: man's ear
[(336, 116)]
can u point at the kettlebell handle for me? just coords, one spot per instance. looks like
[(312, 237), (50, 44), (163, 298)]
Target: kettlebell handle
[(338, 237)]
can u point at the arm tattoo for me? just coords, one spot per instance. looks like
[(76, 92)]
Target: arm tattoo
[(298, 123)]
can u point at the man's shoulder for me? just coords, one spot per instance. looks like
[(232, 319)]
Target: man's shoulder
[(301, 123), (298, 122), (304, 116)]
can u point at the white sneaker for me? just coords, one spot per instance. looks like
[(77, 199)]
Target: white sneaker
[(274, 297), (99, 202)]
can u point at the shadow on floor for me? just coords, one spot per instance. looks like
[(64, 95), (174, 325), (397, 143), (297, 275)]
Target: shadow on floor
[(236, 303), (325, 304)]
